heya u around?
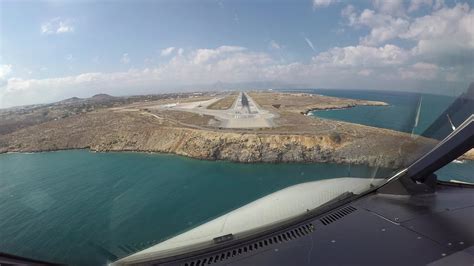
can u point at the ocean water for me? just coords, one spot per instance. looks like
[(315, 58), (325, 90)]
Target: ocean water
[(400, 115), (85, 208)]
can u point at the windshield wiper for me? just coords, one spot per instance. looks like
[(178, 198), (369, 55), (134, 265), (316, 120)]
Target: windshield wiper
[(418, 178)]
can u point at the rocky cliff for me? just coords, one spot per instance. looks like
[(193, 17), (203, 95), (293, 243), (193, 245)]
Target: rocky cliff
[(107, 131)]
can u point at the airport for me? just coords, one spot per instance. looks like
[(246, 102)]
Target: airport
[(244, 113)]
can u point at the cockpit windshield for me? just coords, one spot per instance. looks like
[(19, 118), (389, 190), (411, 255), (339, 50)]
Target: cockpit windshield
[(132, 130)]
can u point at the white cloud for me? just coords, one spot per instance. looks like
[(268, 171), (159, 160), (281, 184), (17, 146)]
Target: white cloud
[(201, 56), (417, 4), (57, 26), (432, 49), (125, 59), (365, 56), (395, 45), (200, 66), (274, 45), (64, 27), (349, 12), (167, 51), (310, 44), (445, 31), (438, 4), (390, 7), (339, 66), (446, 36), (419, 71), (383, 27), (349, 66), (446, 21), (323, 3), (5, 70), (365, 72)]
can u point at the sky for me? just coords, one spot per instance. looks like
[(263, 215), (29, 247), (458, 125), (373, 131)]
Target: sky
[(52, 50)]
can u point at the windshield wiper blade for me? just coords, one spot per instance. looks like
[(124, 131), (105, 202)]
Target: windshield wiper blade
[(418, 177)]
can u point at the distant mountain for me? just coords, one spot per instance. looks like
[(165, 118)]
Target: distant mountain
[(71, 100), (251, 85), (102, 96)]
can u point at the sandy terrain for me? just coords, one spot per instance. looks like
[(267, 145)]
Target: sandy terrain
[(225, 103)]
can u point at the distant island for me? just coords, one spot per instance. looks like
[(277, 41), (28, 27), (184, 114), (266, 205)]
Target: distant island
[(257, 126)]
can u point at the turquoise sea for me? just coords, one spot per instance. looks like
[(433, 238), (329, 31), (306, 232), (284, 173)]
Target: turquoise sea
[(84, 208), (400, 115)]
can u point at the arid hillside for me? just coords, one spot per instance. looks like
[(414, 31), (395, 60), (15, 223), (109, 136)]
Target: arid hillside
[(139, 125)]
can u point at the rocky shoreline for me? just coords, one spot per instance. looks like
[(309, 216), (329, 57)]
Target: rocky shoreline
[(134, 132), (348, 106), (297, 138)]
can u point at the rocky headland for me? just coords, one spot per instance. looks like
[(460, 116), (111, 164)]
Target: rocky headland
[(296, 138)]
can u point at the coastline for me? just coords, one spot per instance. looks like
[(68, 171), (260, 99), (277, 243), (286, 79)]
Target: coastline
[(353, 161), (295, 138), (371, 103), (468, 156), (251, 147)]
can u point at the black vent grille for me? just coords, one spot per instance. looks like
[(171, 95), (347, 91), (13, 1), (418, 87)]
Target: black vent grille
[(330, 218), (289, 235)]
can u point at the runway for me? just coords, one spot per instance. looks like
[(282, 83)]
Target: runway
[(244, 113)]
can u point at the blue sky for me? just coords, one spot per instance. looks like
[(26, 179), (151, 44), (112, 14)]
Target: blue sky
[(52, 50)]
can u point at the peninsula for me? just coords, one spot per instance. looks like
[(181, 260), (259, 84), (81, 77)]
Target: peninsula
[(257, 126)]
